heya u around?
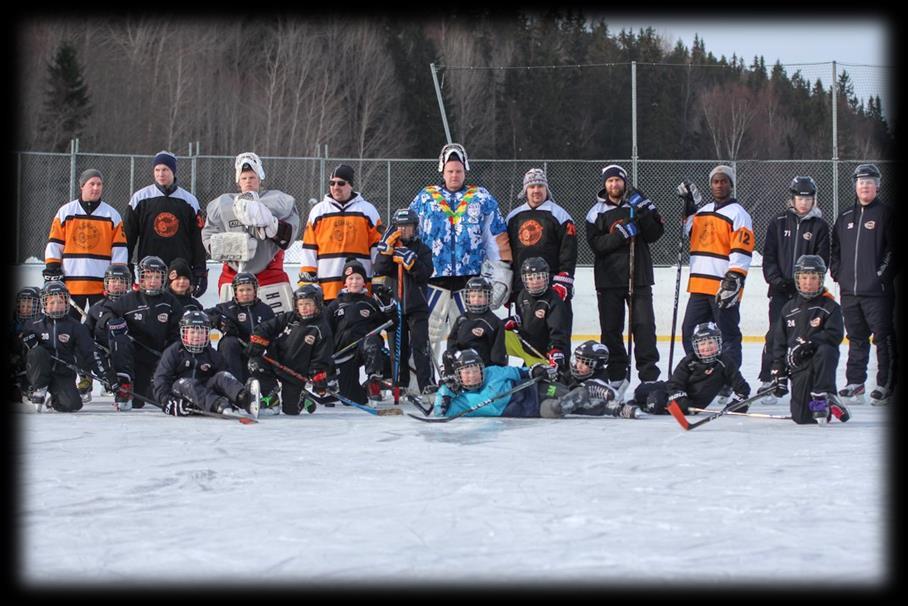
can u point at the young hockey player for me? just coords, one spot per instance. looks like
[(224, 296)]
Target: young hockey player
[(479, 328), (301, 340), (179, 284), (112, 354), (193, 376), (352, 315), (56, 334), (701, 375), (541, 315), (28, 309), (404, 257), (591, 393), (144, 322), (806, 345), (236, 320)]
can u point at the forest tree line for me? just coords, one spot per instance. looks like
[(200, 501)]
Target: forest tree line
[(363, 88)]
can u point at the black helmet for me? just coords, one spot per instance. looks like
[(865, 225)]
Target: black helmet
[(194, 321), (245, 277), (404, 216), (463, 359), (474, 285), (116, 271), (593, 354), (534, 265), (803, 186), (309, 291), (148, 266), (53, 289), (705, 332), (864, 171), (32, 295), (809, 264)]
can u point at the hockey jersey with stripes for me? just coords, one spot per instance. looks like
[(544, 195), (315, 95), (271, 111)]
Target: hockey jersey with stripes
[(721, 240), (84, 243)]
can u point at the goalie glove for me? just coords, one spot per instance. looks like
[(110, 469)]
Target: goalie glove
[(688, 192), (729, 290)]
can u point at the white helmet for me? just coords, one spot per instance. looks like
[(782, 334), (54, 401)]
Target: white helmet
[(253, 161), (447, 151)]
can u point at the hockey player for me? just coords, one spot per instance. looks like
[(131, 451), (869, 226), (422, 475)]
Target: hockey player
[(541, 315), (800, 230), (236, 320), (28, 309), (479, 328), (541, 228), (112, 355), (56, 334), (262, 223), (150, 322), (591, 392), (404, 265), (352, 315), (863, 263), (806, 346), (300, 339), (179, 284), (701, 375), (467, 235), (193, 376)]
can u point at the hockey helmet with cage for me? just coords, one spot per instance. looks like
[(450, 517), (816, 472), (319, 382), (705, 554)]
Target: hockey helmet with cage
[(809, 264), (148, 267), (51, 290), (28, 303), (593, 355), (477, 284), (704, 334), (535, 266), (463, 359), (116, 274), (195, 330)]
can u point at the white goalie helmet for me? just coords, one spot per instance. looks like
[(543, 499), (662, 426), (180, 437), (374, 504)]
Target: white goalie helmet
[(450, 149), (253, 161)]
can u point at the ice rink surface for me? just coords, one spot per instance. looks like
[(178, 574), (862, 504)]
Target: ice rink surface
[(341, 500)]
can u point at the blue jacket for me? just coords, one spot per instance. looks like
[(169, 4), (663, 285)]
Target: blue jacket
[(495, 380)]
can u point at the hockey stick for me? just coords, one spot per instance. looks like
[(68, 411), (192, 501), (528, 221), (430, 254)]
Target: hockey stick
[(758, 415), (526, 344), (671, 345), (476, 407), (675, 410), (630, 299), (78, 309), (381, 412), (418, 403), (398, 336), (374, 331)]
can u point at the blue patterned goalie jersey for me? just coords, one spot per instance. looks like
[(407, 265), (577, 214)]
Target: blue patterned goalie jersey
[(462, 228)]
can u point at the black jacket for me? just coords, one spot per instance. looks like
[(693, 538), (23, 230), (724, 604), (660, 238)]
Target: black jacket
[(547, 231), (245, 317), (788, 237), (352, 316), (612, 250), (701, 382), (65, 338), (415, 279), (165, 223), (862, 261), (818, 320), (153, 321), (483, 332), (302, 345), (178, 363), (544, 322)]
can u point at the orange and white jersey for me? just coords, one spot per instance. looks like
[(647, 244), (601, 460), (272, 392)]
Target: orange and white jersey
[(334, 232), (721, 239)]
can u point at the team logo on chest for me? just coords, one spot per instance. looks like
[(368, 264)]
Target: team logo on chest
[(708, 371), (166, 224), (241, 316), (364, 313), (162, 318), (87, 236), (815, 322), (205, 367), (64, 338), (539, 313), (807, 235), (341, 229), (530, 232), (309, 339), (869, 224), (478, 331)]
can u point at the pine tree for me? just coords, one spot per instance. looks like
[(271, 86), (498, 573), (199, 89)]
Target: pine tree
[(66, 105)]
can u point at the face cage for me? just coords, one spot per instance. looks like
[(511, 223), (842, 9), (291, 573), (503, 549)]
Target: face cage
[(473, 308), (59, 314), (808, 294), (194, 348), (113, 295), (545, 283), (36, 307), (590, 362), (152, 291), (712, 358), (470, 387)]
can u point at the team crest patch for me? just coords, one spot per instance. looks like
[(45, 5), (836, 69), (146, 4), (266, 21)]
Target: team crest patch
[(172, 275), (166, 224), (869, 224), (807, 235), (530, 232), (815, 322), (64, 338), (540, 313), (364, 313), (342, 230), (162, 317), (850, 226), (708, 371), (241, 316), (205, 367), (87, 236), (478, 331), (309, 339)]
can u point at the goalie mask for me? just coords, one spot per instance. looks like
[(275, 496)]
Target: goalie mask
[(468, 369), (55, 300), (28, 304), (117, 280), (248, 279), (809, 273), (707, 342), (453, 151), (588, 358), (477, 294), (195, 328), (535, 271), (252, 161), (312, 293), (151, 275)]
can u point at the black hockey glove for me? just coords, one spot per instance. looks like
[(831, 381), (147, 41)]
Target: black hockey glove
[(779, 381), (52, 273), (228, 326), (784, 286), (177, 406), (800, 353), (256, 365), (116, 327), (257, 346), (199, 280), (735, 399), (545, 371), (282, 237), (681, 399), (729, 290)]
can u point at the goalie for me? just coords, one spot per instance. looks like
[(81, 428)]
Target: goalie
[(250, 231)]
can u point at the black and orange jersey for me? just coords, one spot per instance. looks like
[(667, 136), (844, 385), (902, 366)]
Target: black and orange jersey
[(547, 231), (721, 240), (165, 224)]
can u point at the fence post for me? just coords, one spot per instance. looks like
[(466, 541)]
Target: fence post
[(835, 147), (73, 150), (389, 192), (634, 120), (132, 174), (18, 200), (193, 166)]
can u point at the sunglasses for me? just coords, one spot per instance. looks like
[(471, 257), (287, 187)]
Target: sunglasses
[(338, 182)]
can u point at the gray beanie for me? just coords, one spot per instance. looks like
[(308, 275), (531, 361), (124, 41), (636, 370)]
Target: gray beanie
[(535, 176), (88, 174), (726, 170)]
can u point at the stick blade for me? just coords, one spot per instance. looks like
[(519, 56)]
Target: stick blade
[(675, 411), (384, 412)]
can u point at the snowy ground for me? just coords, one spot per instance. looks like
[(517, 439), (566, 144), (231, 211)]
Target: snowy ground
[(341, 499)]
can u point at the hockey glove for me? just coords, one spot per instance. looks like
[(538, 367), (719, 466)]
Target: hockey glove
[(556, 358), (688, 192), (512, 323), (545, 371), (123, 388), (735, 399), (199, 281), (320, 382), (800, 353), (681, 399), (256, 365), (228, 326), (628, 229), (445, 405), (783, 286), (52, 273), (178, 406), (306, 277), (116, 327), (383, 294), (779, 381), (405, 257), (729, 290), (386, 245), (283, 235), (563, 285), (257, 346)]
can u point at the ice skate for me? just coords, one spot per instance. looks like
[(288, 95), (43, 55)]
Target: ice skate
[(853, 393), (84, 385), (249, 399), (770, 398), (819, 407), (40, 399), (880, 396), (619, 387), (271, 403), (724, 396), (838, 410)]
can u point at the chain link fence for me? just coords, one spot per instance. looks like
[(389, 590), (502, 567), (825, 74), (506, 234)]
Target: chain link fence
[(46, 181)]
